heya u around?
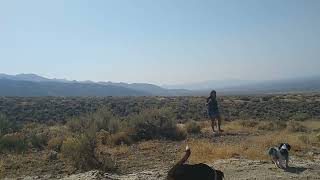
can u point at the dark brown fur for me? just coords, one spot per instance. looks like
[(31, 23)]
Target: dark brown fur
[(181, 171)]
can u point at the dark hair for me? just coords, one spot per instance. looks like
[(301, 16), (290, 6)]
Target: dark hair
[(213, 91)]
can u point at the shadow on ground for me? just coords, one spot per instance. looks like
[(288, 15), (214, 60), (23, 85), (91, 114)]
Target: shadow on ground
[(296, 170)]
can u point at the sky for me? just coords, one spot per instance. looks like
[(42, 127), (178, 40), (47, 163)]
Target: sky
[(160, 41)]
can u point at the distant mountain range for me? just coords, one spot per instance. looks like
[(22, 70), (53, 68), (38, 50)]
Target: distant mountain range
[(246, 87), (35, 85), (211, 84)]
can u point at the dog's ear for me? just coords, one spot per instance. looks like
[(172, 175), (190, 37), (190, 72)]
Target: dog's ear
[(288, 146), (280, 145)]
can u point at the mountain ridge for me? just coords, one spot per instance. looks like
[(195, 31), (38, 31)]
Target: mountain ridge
[(35, 85)]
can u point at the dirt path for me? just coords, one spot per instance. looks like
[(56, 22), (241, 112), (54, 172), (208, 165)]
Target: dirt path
[(234, 169)]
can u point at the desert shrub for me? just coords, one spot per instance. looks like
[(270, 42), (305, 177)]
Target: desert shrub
[(294, 126), (79, 151), (248, 123), (244, 98), (2, 168), (148, 131), (301, 117), (272, 125), (7, 126), (120, 138), (4, 125), (266, 98), (55, 143), (13, 143), (107, 163), (102, 119), (193, 127), (38, 140), (255, 100), (180, 134), (79, 124), (317, 137), (102, 137), (154, 124), (304, 139)]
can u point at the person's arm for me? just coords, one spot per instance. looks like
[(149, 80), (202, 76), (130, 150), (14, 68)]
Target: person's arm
[(208, 101)]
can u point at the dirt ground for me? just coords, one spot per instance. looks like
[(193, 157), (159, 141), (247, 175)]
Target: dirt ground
[(152, 159), (234, 169)]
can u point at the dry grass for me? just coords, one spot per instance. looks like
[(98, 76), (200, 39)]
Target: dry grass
[(205, 151), (119, 150), (120, 138), (148, 145), (254, 147), (241, 126), (312, 125), (2, 168), (55, 143), (193, 127)]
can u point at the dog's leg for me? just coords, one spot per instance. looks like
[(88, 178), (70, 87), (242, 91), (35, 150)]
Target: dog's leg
[(278, 164), (213, 124), (275, 161), (287, 162)]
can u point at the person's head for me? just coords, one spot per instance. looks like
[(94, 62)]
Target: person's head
[(213, 94)]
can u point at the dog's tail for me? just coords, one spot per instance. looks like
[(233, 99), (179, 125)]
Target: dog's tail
[(182, 161), (272, 152)]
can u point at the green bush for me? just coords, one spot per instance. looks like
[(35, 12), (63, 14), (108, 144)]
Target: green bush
[(78, 124), (13, 143), (301, 117), (79, 151), (105, 120), (193, 127), (154, 124), (7, 126), (102, 119)]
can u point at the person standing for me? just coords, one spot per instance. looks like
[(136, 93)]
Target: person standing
[(213, 111)]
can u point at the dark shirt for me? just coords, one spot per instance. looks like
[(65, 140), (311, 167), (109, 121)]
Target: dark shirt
[(212, 105)]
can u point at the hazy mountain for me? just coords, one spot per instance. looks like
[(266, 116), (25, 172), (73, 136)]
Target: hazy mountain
[(24, 77), (207, 85), (151, 89), (29, 88), (34, 85), (305, 84)]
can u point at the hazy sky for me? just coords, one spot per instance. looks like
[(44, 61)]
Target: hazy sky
[(160, 41)]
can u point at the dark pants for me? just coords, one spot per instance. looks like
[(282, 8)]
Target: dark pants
[(213, 117)]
